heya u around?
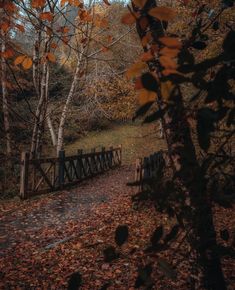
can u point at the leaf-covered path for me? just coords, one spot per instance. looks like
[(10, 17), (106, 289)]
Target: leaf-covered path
[(46, 239)]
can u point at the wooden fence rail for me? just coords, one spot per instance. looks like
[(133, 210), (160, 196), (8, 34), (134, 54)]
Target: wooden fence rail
[(148, 168), (50, 174)]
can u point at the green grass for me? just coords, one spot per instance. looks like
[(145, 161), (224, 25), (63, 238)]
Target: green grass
[(137, 141)]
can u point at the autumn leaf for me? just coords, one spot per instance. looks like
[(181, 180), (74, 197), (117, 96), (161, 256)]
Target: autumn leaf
[(162, 13), (170, 42), (75, 3), (46, 16), (5, 26), (167, 62), (19, 59), (53, 45), (135, 69), (170, 52), (51, 57), (63, 2), (146, 96), (128, 19), (168, 71), (143, 22), (140, 3), (104, 49), (166, 89), (146, 39), (27, 63), (8, 53), (146, 56), (38, 3)]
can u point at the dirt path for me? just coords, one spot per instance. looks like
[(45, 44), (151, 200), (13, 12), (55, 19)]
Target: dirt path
[(46, 239)]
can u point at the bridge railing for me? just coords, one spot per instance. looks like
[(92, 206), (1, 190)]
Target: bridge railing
[(50, 174)]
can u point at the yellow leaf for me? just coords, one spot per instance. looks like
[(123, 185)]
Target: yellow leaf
[(140, 3), (51, 57), (38, 3), (19, 59), (46, 16), (166, 89), (135, 69), (128, 19), (146, 96), (170, 42), (27, 63), (162, 13)]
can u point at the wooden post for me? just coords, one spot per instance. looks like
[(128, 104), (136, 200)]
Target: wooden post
[(61, 168), (103, 158), (92, 162), (111, 157), (24, 175), (79, 163), (120, 154), (138, 174)]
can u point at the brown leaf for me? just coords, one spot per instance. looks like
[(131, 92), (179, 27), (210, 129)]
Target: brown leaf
[(162, 13), (135, 69), (140, 3), (128, 19), (46, 16), (146, 96), (38, 3), (147, 56)]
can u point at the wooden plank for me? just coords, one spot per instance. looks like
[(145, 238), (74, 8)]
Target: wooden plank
[(61, 168), (42, 178)]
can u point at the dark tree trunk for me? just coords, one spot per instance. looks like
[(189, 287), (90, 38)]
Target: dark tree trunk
[(189, 173)]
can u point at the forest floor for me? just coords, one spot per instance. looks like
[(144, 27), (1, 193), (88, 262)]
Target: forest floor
[(47, 238)]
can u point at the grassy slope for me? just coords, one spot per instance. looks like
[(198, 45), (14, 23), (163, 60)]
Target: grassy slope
[(137, 141)]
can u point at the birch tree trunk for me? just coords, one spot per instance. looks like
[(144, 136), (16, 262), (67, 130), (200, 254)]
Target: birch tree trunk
[(5, 103), (60, 139)]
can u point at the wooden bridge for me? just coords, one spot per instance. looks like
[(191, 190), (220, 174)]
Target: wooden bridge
[(50, 174)]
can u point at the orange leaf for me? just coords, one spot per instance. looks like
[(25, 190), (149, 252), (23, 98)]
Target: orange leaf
[(46, 16), (146, 39), (107, 2), (101, 23), (140, 3), (162, 13), (19, 59), (53, 45), (170, 52), (146, 56), (38, 3), (5, 26), (146, 96), (27, 63), (135, 69), (128, 19), (166, 89), (138, 84), (167, 62), (62, 2), (75, 3), (170, 42), (167, 72), (8, 53), (51, 57)]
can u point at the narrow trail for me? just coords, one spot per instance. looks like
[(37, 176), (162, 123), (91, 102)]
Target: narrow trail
[(42, 220)]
